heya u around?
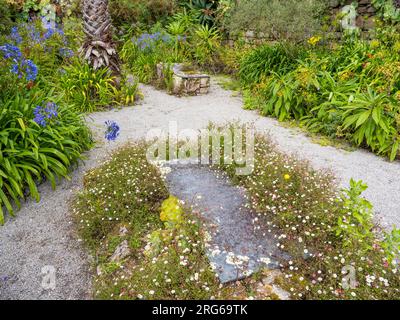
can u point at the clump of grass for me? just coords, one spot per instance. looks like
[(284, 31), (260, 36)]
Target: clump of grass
[(337, 251)]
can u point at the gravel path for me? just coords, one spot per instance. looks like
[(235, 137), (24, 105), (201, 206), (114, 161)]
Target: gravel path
[(41, 235)]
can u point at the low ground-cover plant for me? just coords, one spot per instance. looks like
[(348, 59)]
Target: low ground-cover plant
[(126, 200), (336, 250)]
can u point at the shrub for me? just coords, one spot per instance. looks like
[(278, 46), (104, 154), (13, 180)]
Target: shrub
[(146, 12), (291, 19), (6, 16), (143, 53), (206, 42)]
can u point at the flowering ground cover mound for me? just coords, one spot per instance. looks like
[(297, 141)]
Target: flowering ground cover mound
[(337, 251), (147, 244)]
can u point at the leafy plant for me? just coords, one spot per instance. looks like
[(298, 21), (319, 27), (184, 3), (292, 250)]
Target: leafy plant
[(32, 150), (279, 20), (280, 97), (391, 245), (367, 115), (204, 10), (86, 89), (265, 60), (141, 12), (355, 226), (350, 91), (206, 42)]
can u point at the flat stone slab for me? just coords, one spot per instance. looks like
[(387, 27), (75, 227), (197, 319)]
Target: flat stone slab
[(236, 246)]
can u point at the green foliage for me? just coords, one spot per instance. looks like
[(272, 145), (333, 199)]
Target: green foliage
[(140, 12), (30, 152), (391, 245), (204, 10), (86, 89), (387, 10), (368, 117), (265, 60), (41, 136), (290, 19), (355, 226), (143, 53), (6, 16), (205, 42), (348, 91)]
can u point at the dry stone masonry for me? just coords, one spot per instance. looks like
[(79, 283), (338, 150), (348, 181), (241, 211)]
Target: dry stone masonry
[(186, 80)]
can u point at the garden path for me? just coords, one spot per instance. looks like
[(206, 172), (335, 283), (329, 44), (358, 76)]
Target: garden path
[(42, 235)]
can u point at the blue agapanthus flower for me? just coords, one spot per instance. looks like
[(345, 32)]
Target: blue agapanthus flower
[(66, 52), (15, 36), (112, 130), (42, 115), (147, 40), (15, 68), (10, 51), (50, 31), (20, 66), (33, 33), (31, 70)]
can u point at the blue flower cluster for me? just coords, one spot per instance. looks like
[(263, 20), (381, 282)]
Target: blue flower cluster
[(30, 69), (112, 130), (52, 31), (66, 52), (35, 35), (20, 66), (147, 40), (15, 36), (45, 114), (10, 51)]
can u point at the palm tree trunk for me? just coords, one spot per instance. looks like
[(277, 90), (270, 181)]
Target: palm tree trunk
[(99, 48)]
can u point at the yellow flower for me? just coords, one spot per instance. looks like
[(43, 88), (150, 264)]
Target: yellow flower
[(375, 44), (314, 40), (287, 176), (396, 46)]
